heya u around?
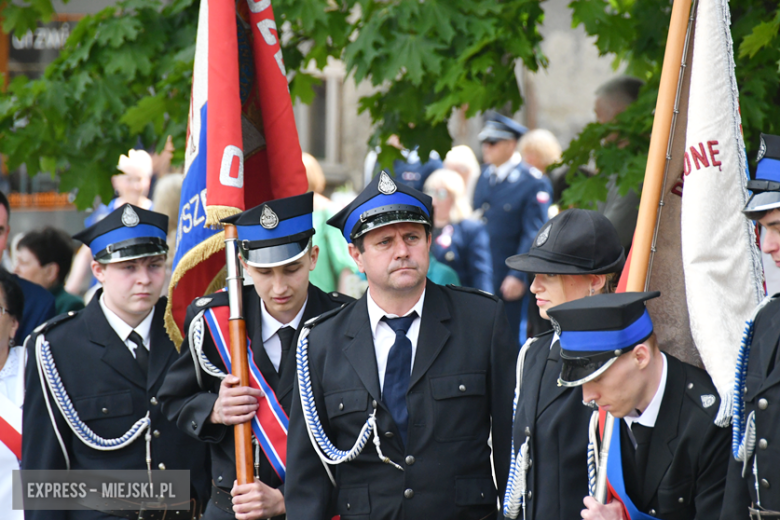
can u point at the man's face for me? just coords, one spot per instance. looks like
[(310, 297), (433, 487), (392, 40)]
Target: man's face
[(607, 110), (130, 186), (395, 257), (284, 288), (29, 267), (4, 229), (131, 289), (770, 242), (620, 388), (498, 152)]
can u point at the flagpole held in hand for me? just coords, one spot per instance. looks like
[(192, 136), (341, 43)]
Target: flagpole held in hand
[(240, 364)]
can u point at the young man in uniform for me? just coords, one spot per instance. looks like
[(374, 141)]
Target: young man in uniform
[(276, 253), (422, 370), (513, 197), (755, 474), (111, 358), (667, 459)]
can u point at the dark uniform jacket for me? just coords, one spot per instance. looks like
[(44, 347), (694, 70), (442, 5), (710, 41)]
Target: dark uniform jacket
[(190, 406), (462, 376), (109, 393), (465, 247), (688, 456), (555, 421), (762, 396), (513, 211)]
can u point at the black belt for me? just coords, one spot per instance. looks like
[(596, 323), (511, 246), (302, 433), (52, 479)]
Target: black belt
[(159, 514), (761, 514), (222, 499)]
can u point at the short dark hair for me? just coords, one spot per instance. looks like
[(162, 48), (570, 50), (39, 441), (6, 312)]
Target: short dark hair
[(14, 297), (50, 245), (4, 202), (362, 248), (624, 90)]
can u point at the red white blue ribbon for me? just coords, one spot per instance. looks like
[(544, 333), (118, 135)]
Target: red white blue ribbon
[(269, 425)]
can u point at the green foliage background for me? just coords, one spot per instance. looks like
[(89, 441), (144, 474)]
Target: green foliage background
[(634, 31), (126, 73)]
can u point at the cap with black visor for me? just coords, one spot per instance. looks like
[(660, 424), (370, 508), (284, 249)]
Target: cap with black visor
[(766, 185), (127, 233)]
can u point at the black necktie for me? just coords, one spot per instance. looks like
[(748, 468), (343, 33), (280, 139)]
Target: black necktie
[(642, 435), (286, 337), (398, 371), (141, 353)]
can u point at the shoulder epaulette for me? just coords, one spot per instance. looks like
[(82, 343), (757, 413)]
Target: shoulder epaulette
[(473, 291), (339, 298), (324, 316), (218, 299), (47, 326)]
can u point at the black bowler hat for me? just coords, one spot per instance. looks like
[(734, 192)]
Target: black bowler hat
[(766, 185), (381, 203), (500, 128), (576, 241), (276, 232), (596, 330), (125, 234)]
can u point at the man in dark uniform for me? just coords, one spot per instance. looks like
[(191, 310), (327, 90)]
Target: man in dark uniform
[(419, 368), (111, 358), (277, 254), (755, 474), (513, 198), (667, 459), (572, 256)]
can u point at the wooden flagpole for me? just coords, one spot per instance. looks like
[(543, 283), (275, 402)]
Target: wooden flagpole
[(240, 368), (641, 249)]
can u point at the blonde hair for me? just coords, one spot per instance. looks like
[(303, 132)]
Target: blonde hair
[(543, 144), (464, 156), (314, 173), (451, 181)]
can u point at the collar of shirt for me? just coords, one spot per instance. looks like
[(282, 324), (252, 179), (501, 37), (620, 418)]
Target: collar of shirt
[(503, 171), (650, 415), (271, 325), (556, 337), (383, 335), (271, 342), (123, 330)]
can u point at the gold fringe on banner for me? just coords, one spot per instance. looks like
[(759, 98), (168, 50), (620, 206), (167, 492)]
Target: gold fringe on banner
[(216, 213), (194, 256)]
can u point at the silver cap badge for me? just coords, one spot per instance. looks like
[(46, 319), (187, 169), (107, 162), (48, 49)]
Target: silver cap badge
[(543, 236), (269, 219), (386, 184), (761, 149), (556, 326), (130, 217)]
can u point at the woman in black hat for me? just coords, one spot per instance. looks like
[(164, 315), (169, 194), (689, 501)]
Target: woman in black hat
[(575, 255)]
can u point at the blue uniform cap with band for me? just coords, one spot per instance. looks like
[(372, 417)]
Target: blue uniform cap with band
[(595, 331), (126, 233), (381, 203), (500, 128), (766, 185), (275, 232)]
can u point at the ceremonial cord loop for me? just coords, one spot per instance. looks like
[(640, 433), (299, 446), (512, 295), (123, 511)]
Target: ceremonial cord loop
[(326, 451), (517, 484), (743, 429), (196, 332), (50, 379)]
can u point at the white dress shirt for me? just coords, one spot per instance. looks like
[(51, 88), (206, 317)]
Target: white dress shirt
[(271, 326), (650, 415), (383, 334), (503, 171), (123, 330)]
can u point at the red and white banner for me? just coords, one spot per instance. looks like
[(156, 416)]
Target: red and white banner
[(723, 274), (242, 144)]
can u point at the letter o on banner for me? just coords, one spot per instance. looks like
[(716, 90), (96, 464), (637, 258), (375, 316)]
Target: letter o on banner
[(231, 152)]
